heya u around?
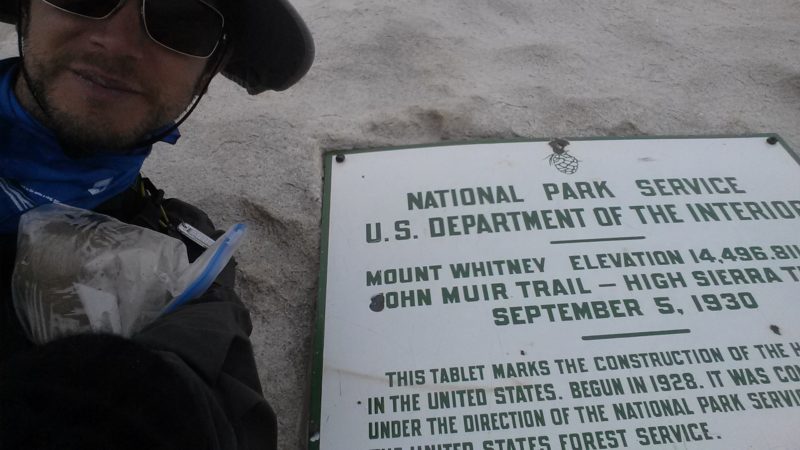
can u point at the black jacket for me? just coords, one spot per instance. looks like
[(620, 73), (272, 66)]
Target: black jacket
[(206, 341)]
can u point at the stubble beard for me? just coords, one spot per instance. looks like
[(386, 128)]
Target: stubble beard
[(89, 131)]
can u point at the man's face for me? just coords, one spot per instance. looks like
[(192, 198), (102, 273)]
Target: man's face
[(103, 84)]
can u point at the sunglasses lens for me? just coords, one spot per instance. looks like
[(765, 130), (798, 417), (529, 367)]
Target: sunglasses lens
[(187, 26), (89, 8)]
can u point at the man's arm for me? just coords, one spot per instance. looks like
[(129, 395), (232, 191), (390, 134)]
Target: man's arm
[(207, 339), (210, 335)]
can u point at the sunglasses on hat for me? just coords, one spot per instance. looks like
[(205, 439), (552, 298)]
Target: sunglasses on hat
[(189, 27)]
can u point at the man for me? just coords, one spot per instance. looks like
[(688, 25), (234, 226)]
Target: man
[(98, 82)]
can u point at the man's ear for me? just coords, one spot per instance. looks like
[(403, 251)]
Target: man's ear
[(203, 82), (214, 65)]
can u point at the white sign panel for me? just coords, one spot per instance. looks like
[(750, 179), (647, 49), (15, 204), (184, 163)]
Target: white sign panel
[(590, 294)]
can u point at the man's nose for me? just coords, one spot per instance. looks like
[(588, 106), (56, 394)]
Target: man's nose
[(123, 32)]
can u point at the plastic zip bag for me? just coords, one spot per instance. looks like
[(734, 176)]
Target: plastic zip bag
[(78, 271)]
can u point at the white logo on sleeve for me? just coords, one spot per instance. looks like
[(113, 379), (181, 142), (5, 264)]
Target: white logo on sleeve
[(100, 186), (20, 200)]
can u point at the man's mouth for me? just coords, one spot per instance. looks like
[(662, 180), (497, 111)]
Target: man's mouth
[(105, 81)]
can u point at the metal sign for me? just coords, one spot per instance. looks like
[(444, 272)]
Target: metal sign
[(583, 294)]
